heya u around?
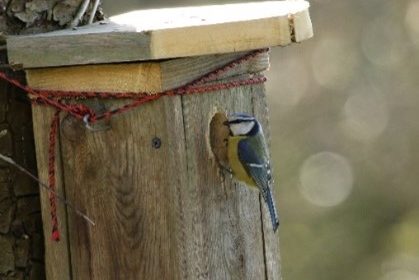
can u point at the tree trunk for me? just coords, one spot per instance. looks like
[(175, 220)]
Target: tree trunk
[(21, 237)]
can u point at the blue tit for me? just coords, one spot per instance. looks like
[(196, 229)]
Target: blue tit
[(248, 158)]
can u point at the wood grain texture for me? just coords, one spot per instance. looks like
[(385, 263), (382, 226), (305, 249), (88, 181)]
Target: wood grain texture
[(271, 240), (129, 188), (140, 77), (224, 216), (167, 33), (166, 213), (109, 77), (56, 253), (177, 72)]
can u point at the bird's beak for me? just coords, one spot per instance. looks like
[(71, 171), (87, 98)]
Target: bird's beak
[(227, 123)]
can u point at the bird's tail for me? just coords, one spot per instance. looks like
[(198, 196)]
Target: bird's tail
[(272, 209)]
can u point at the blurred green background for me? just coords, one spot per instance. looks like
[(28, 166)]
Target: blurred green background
[(344, 111)]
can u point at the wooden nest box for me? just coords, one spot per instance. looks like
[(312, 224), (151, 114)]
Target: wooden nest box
[(147, 176)]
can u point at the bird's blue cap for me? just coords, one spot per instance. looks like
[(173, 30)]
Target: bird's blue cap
[(239, 117)]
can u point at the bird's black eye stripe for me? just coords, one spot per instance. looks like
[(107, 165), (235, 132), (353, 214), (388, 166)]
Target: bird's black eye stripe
[(241, 120)]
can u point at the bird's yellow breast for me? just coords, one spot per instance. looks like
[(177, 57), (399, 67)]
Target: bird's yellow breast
[(235, 164)]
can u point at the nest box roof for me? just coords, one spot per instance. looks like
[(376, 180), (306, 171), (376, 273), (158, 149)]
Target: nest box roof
[(167, 33)]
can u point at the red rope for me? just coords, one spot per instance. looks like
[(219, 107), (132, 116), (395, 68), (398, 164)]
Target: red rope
[(51, 174), (56, 99)]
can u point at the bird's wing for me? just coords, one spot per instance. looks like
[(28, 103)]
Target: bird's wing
[(257, 167)]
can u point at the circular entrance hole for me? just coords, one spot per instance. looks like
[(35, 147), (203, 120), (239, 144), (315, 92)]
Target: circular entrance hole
[(219, 132)]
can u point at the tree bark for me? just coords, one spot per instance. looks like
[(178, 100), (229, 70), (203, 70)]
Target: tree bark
[(21, 237)]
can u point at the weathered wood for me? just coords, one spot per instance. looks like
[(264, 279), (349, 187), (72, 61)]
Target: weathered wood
[(167, 33), (160, 213), (130, 189), (301, 26), (271, 242), (226, 221), (110, 77), (176, 72), (56, 254), (140, 77)]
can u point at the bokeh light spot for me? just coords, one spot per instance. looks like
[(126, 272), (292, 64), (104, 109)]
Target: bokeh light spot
[(383, 42), (326, 179), (401, 262), (400, 275), (366, 114), (333, 63), (412, 20)]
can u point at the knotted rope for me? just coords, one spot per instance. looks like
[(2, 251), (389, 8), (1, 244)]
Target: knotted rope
[(56, 99)]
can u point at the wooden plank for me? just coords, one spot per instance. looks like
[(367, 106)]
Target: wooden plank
[(130, 189), (167, 33), (223, 218), (177, 72), (125, 185), (301, 26), (225, 226), (227, 223), (142, 77), (56, 253), (109, 77), (271, 240)]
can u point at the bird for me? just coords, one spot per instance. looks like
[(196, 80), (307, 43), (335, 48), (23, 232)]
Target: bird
[(248, 158)]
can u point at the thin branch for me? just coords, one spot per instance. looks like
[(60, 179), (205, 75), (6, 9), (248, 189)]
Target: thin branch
[(79, 16), (94, 10), (46, 187)]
